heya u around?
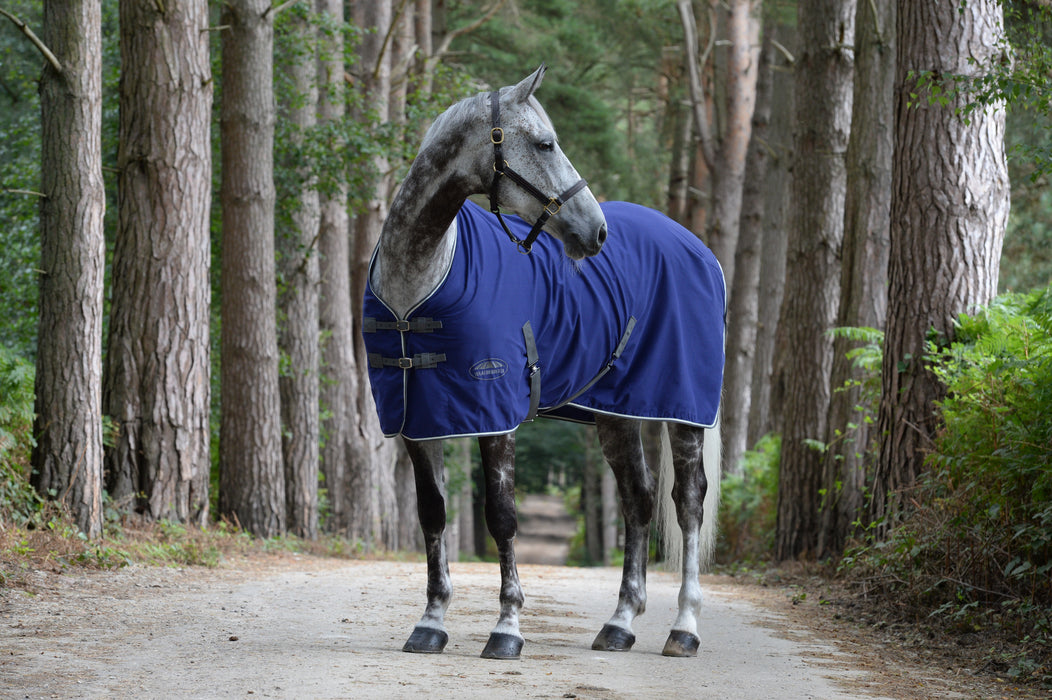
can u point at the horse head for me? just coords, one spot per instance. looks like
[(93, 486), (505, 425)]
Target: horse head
[(532, 177)]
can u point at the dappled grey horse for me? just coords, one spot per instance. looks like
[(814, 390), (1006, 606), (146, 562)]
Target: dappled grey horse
[(616, 318)]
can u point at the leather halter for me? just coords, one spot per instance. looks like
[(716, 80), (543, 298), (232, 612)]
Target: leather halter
[(501, 167)]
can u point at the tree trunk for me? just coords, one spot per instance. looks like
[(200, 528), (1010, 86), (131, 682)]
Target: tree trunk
[(773, 246), (251, 482), (339, 387), (812, 292), (743, 312), (863, 283), (465, 508), (591, 502), (371, 464), (298, 268), (610, 509), (67, 458), (157, 385), (678, 181), (948, 214), (728, 177), (460, 529), (409, 535)]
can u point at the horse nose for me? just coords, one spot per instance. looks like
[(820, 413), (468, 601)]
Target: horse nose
[(600, 236)]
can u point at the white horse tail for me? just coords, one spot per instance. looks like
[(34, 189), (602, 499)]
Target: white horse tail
[(667, 521), (712, 458)]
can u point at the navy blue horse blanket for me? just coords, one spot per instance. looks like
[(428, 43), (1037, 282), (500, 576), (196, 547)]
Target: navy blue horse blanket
[(645, 316)]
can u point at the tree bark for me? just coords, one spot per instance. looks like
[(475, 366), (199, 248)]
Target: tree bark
[(610, 510), (728, 176), (251, 484), (298, 301), (743, 311), (372, 462), (863, 283), (67, 458), (801, 380), (950, 201), (340, 384), (157, 386), (773, 246), (591, 502)]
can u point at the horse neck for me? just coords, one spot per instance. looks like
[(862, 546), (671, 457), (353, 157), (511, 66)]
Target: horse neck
[(418, 237)]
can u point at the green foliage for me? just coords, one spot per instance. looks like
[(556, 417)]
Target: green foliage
[(749, 505), (993, 460), (19, 180), (18, 500), (603, 87), (548, 452), (977, 549)]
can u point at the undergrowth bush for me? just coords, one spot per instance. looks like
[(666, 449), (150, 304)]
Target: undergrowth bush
[(749, 505), (976, 551), (19, 503)]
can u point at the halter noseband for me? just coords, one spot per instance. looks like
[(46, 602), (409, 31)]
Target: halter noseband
[(501, 167)]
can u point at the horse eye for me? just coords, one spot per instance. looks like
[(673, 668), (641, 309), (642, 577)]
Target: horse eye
[(546, 146)]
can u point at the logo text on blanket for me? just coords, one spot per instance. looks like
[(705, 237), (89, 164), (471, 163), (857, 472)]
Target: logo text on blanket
[(490, 368)]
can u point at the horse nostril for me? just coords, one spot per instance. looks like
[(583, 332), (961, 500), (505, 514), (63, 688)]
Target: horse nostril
[(600, 237)]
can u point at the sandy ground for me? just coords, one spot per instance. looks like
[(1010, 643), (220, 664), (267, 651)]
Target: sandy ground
[(286, 626), (290, 626), (308, 628)]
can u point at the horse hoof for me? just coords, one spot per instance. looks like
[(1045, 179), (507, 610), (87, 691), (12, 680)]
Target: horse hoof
[(681, 643), (426, 640), (612, 638), (502, 646)]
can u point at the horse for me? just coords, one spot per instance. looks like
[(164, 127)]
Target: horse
[(461, 333)]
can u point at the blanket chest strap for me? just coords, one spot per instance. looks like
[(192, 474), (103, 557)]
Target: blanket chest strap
[(417, 325), (424, 360)]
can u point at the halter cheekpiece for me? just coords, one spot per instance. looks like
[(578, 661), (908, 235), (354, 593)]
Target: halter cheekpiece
[(501, 167)]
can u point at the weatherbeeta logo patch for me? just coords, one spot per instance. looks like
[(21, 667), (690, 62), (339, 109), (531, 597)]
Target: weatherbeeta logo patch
[(490, 368)]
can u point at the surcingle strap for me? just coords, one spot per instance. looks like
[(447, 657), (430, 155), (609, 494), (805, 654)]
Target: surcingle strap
[(417, 325), (425, 360), (532, 359), (621, 345)]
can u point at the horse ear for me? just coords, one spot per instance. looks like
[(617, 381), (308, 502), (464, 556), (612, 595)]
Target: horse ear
[(522, 91)]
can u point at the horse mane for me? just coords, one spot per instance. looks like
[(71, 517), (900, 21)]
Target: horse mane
[(446, 122)]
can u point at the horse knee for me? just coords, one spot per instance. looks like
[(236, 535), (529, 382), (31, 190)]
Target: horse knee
[(502, 521)]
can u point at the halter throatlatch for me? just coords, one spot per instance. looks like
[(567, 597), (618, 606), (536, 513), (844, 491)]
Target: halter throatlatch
[(501, 167)]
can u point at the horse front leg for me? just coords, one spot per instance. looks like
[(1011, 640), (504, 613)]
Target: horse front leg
[(623, 450), (688, 494), (498, 464), (430, 636)]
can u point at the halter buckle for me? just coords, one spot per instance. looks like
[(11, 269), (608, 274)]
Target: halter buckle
[(553, 202), (496, 136)]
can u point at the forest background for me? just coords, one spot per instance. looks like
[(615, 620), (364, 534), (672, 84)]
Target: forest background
[(796, 138)]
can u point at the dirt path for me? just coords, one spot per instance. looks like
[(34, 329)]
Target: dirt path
[(304, 627), (545, 529)]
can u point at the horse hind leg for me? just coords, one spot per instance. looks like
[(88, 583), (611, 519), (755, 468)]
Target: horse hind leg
[(688, 495), (430, 636), (498, 464), (623, 450)]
